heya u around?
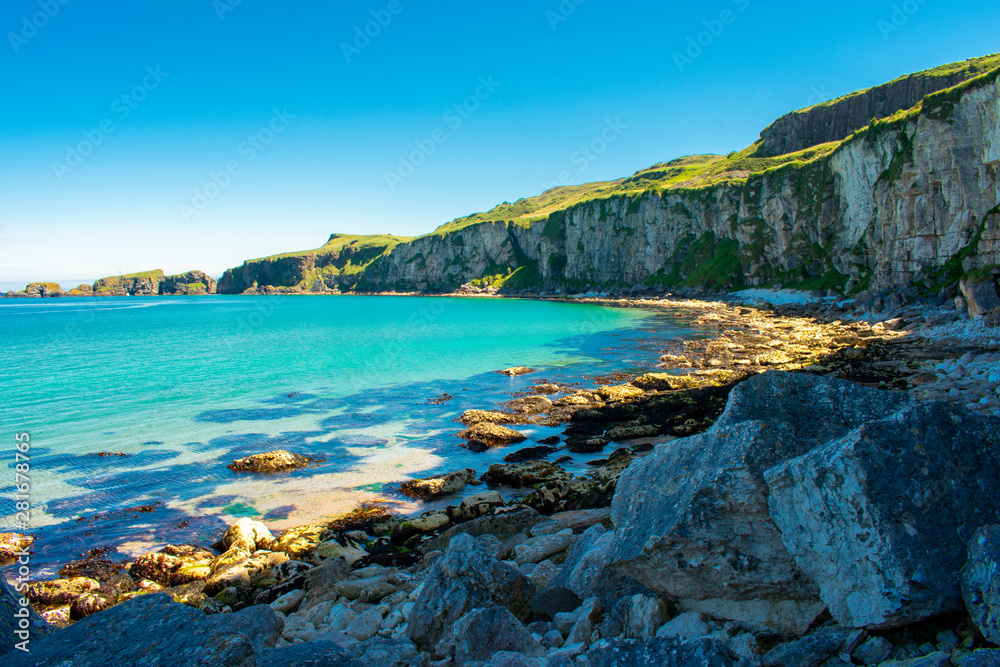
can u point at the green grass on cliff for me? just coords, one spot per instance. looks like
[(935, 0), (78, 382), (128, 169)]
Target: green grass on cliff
[(115, 281), (340, 242)]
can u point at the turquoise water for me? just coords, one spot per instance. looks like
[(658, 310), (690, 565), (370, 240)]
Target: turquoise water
[(183, 385)]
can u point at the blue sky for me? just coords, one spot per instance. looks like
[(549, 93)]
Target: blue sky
[(199, 133)]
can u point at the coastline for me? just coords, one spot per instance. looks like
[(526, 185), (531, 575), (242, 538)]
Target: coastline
[(903, 351)]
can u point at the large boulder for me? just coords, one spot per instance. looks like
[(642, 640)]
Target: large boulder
[(153, 630), (881, 517), (466, 577), (981, 581), (692, 518), (982, 295)]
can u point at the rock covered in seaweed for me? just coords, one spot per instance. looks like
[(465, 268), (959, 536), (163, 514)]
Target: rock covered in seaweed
[(492, 435), (438, 485), (275, 461)]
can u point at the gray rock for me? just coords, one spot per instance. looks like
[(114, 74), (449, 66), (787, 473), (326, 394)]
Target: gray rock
[(483, 632), (812, 650), (581, 520), (936, 659), (692, 518), (316, 653), (544, 546), (660, 652), (873, 651), (320, 582), (353, 589), (880, 518), (984, 657), (542, 574), (511, 659), (501, 524), (466, 577), (365, 625), (587, 619), (688, 625), (587, 570), (153, 630), (981, 296), (981, 582), (385, 652)]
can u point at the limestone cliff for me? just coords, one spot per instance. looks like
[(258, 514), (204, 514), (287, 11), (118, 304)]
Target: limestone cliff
[(836, 119), (908, 198)]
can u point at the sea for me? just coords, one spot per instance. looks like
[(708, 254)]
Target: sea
[(133, 406)]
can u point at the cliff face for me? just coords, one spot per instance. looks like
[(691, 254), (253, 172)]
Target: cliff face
[(913, 197), (839, 118), (192, 282), (153, 283), (336, 265)]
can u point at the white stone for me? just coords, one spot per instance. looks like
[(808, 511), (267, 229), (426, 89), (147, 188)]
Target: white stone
[(365, 625)]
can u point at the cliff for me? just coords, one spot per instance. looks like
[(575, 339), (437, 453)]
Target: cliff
[(837, 119), (337, 264), (911, 198)]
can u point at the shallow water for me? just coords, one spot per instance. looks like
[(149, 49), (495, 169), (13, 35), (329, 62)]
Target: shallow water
[(183, 385)]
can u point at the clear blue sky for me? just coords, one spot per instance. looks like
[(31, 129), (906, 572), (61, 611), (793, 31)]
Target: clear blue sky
[(182, 85)]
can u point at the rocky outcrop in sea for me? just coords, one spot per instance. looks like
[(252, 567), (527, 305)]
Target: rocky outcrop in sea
[(148, 283)]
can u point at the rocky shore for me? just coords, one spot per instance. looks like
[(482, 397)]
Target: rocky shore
[(812, 483)]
